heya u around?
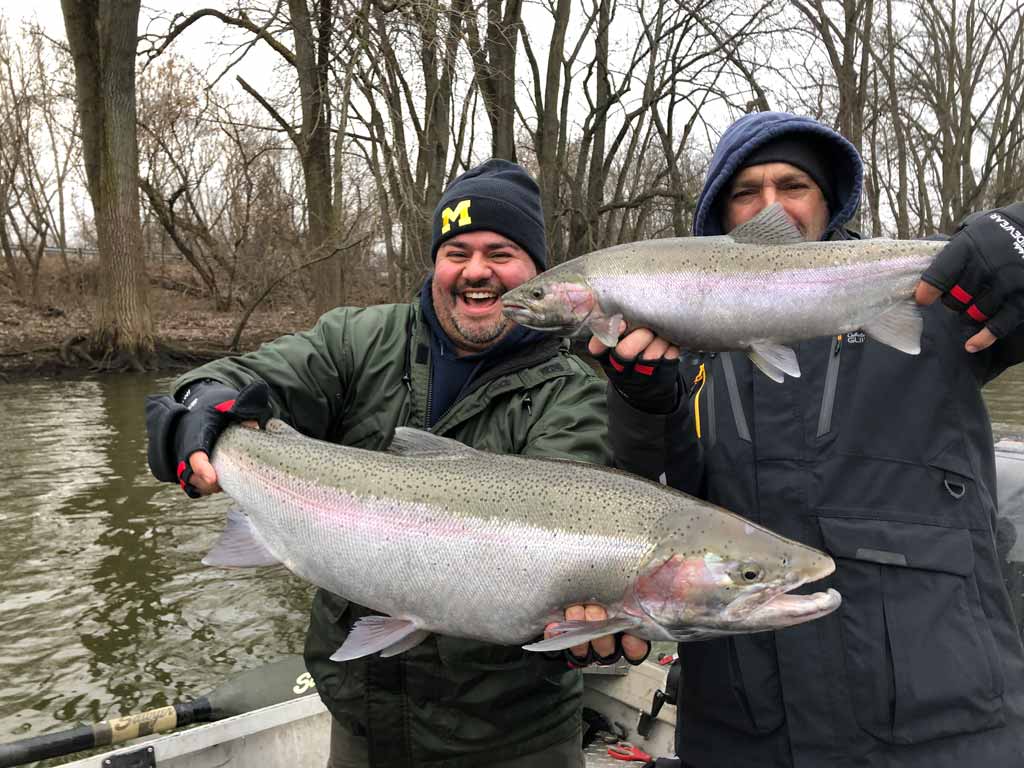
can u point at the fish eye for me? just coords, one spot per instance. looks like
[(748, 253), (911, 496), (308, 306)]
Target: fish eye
[(537, 292), (751, 572)]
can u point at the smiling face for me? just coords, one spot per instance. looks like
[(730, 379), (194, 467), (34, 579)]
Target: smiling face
[(471, 272), (757, 186)]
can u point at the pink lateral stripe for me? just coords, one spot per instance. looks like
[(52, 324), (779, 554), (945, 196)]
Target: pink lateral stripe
[(976, 314), (227, 405), (353, 514)]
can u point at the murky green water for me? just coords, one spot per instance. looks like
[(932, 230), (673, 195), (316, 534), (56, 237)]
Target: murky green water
[(1005, 398), (105, 608)]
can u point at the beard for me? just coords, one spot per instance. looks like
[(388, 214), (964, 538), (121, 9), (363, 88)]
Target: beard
[(480, 333)]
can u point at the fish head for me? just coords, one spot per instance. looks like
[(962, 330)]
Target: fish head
[(553, 301), (737, 579)]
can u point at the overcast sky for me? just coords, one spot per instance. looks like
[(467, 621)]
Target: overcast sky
[(202, 43)]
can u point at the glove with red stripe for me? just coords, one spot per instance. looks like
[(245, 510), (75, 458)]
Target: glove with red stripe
[(649, 385), (981, 271), (176, 430)]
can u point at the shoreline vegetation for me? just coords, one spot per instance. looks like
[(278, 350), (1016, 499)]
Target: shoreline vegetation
[(44, 337)]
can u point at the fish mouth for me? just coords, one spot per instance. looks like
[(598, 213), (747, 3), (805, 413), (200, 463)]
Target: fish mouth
[(520, 314), (775, 606), (782, 609), (785, 610), (524, 316)]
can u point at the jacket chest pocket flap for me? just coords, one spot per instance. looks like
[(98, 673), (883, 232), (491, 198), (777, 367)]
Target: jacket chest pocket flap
[(921, 659)]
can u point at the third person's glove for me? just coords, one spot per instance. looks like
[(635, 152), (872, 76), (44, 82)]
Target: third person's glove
[(652, 386), (981, 271)]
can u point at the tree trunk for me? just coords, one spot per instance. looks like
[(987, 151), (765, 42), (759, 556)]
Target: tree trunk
[(311, 64), (102, 35), (549, 132), (495, 68)]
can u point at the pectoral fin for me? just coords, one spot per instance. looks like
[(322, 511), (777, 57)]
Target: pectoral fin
[(775, 360), (379, 633), (899, 327), (239, 545), (572, 633), (607, 329)]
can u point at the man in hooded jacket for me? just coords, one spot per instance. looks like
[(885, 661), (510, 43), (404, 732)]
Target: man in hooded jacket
[(882, 459)]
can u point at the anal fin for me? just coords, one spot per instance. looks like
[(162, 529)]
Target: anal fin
[(899, 327), (776, 361)]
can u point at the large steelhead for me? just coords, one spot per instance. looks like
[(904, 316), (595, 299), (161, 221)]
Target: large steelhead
[(444, 538), (757, 289)]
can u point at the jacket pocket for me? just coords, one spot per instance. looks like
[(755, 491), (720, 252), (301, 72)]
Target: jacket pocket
[(747, 698), (921, 659)]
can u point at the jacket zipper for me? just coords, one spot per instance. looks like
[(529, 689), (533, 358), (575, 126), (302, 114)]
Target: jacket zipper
[(712, 425), (738, 415), (698, 381), (430, 398), (828, 397), (702, 378)]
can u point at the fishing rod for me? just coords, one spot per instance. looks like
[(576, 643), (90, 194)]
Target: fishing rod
[(270, 684)]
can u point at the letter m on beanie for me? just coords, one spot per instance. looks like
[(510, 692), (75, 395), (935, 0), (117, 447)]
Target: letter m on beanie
[(460, 212)]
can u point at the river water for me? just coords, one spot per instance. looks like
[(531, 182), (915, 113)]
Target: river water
[(105, 608)]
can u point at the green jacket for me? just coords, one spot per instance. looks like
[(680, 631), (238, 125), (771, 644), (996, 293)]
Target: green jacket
[(352, 379)]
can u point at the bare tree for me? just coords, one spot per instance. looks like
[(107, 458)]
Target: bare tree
[(406, 124), (494, 62), (963, 66), (102, 35), (312, 34), (631, 169)]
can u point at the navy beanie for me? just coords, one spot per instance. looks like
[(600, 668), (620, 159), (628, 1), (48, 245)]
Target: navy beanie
[(808, 152), (499, 196)]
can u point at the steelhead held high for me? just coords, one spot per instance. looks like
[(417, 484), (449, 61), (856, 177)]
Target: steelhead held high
[(757, 289), (444, 538)]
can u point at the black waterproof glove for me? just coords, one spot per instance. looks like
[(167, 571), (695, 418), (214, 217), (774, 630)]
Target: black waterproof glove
[(178, 429), (575, 661), (652, 386), (981, 271)]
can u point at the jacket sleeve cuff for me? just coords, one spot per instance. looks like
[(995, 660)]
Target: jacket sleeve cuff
[(162, 414), (639, 439)]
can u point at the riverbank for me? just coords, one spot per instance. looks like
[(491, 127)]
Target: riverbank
[(35, 336)]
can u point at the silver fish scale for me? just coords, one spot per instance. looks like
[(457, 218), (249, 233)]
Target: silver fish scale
[(479, 546), (711, 291)]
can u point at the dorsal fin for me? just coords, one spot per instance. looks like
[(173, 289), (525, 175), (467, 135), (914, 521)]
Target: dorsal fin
[(770, 227), (416, 442)]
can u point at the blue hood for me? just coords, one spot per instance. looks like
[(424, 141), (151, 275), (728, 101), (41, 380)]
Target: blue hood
[(758, 128)]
